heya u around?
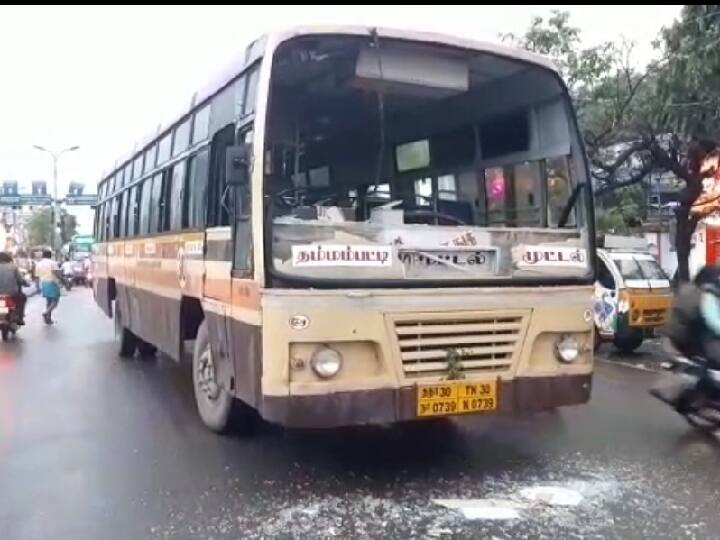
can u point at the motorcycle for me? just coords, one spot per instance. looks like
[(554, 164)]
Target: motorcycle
[(693, 391), (8, 317)]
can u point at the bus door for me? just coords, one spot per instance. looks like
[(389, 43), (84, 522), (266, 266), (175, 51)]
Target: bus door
[(243, 323), (217, 287)]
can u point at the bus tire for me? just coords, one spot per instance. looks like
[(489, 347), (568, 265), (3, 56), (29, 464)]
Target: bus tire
[(128, 344), (146, 349), (629, 341), (218, 409), (128, 340)]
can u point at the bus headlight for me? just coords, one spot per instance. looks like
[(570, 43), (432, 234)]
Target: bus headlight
[(567, 349), (326, 362)]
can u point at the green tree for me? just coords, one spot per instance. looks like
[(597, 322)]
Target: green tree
[(39, 226), (667, 116)]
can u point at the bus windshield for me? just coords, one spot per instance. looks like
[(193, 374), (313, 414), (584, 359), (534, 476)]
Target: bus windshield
[(81, 246), (389, 160)]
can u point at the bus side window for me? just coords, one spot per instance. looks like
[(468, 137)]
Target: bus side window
[(242, 258), (98, 210), (605, 277), (117, 212), (136, 209), (106, 220), (196, 193), (145, 206), (130, 211), (157, 208), (166, 202), (123, 213), (217, 197), (175, 191)]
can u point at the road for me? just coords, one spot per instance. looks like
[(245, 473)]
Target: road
[(92, 447)]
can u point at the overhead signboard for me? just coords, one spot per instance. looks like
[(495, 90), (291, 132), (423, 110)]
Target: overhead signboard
[(81, 200)]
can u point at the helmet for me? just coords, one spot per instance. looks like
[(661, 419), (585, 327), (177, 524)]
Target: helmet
[(708, 279)]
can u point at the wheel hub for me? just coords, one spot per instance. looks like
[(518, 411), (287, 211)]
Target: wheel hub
[(206, 378)]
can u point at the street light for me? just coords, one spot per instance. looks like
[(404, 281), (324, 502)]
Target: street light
[(55, 157)]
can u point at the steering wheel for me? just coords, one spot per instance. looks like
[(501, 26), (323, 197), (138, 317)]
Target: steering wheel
[(434, 214)]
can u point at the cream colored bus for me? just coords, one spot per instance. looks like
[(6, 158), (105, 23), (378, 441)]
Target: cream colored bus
[(360, 226)]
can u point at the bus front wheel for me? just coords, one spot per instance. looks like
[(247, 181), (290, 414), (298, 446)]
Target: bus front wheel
[(146, 350), (217, 408)]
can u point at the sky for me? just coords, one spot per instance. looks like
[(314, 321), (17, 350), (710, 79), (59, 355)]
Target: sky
[(104, 77)]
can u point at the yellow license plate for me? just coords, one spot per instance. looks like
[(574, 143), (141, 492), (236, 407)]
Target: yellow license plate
[(456, 398)]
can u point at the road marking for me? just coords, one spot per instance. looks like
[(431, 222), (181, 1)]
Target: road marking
[(639, 367)]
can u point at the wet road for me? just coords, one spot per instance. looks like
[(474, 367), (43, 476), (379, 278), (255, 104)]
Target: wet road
[(94, 447)]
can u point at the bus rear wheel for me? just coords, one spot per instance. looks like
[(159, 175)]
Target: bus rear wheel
[(217, 408), (128, 340), (145, 348)]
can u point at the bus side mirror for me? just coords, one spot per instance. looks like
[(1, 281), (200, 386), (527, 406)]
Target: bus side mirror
[(237, 165)]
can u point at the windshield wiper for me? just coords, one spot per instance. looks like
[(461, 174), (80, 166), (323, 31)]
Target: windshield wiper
[(565, 215)]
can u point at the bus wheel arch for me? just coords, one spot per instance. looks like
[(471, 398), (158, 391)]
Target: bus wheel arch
[(191, 316)]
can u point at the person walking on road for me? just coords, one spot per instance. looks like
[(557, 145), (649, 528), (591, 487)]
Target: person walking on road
[(49, 274)]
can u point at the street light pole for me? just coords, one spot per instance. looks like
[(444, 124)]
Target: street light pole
[(55, 157)]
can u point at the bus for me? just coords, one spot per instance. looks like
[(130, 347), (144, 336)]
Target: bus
[(359, 226), (80, 246)]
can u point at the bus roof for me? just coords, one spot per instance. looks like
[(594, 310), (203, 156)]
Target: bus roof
[(256, 49)]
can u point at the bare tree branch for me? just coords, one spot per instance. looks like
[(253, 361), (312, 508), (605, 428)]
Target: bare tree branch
[(626, 154), (664, 159), (637, 177)]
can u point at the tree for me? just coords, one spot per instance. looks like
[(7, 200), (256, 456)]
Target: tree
[(620, 211), (665, 117), (39, 226)]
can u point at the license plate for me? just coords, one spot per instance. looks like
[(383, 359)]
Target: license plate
[(456, 398)]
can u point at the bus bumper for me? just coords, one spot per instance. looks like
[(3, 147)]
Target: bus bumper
[(383, 406)]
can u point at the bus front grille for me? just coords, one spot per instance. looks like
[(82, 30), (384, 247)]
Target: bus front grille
[(433, 346)]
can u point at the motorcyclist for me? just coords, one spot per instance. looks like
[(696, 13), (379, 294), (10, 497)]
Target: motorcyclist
[(694, 330), (67, 271), (694, 325), (11, 284), (708, 283)]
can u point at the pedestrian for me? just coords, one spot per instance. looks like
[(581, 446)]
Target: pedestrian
[(11, 284), (49, 274)]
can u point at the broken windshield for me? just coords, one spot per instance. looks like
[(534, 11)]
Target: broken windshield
[(419, 162)]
